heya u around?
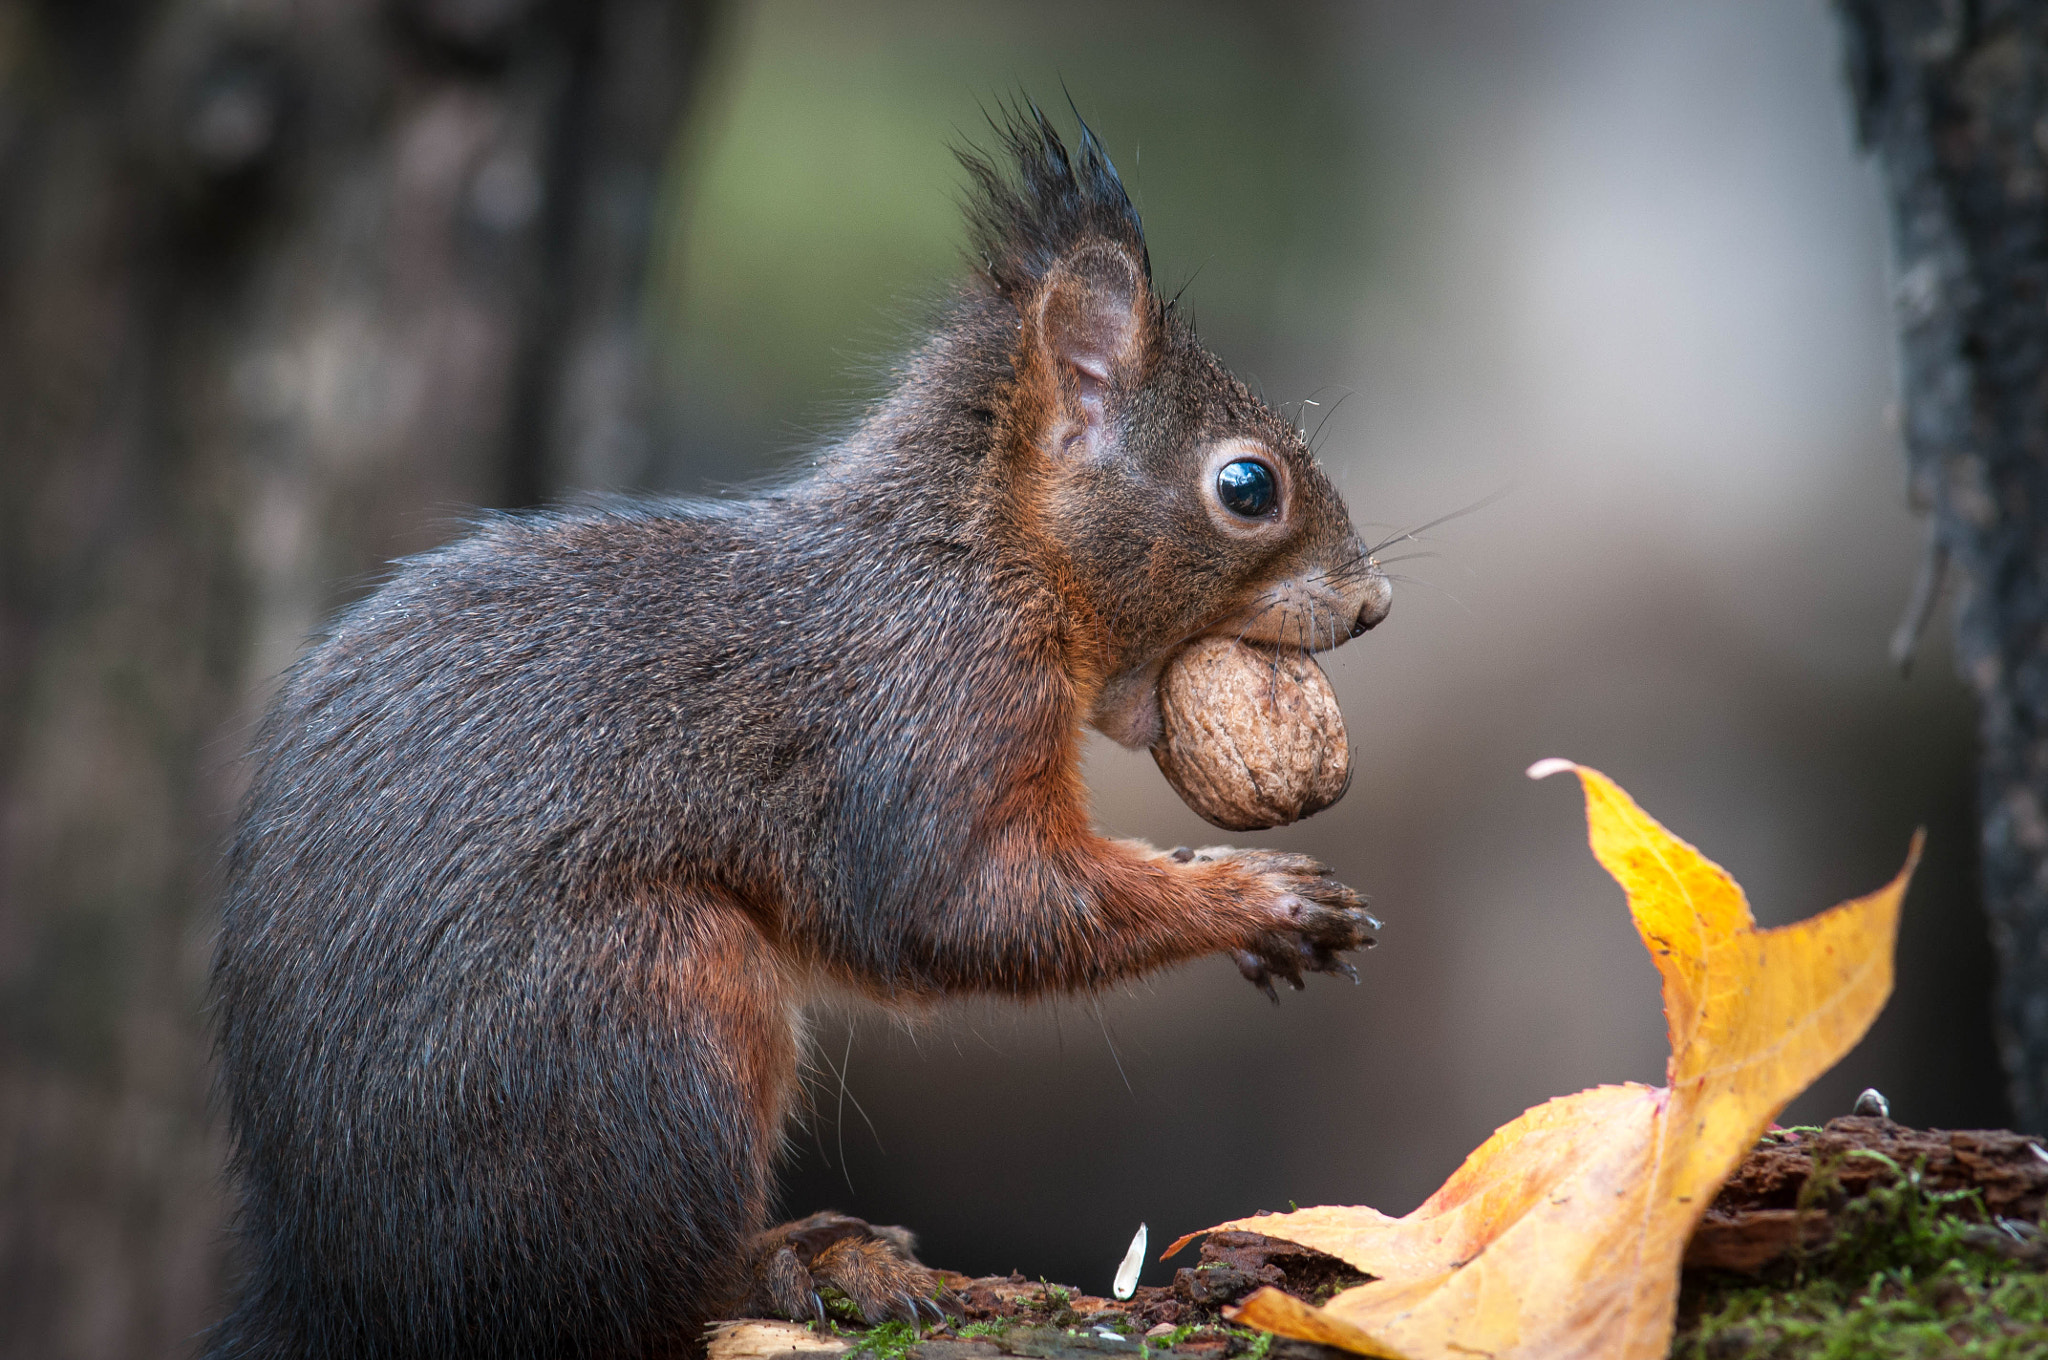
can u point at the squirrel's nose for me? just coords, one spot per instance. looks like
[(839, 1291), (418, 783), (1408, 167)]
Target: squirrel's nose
[(1379, 598)]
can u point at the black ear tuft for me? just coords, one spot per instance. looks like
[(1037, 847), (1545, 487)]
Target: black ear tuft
[(1023, 226)]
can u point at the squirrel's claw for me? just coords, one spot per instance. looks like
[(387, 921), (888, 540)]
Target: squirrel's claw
[(872, 1265), (1314, 921), (1256, 972), (1288, 968)]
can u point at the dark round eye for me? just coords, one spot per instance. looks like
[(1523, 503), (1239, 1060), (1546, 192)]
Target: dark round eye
[(1246, 488)]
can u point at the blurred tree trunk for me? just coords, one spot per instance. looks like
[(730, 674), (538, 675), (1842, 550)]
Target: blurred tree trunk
[(285, 289), (1952, 96)]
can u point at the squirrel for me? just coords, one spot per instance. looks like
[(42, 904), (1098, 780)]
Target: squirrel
[(549, 838)]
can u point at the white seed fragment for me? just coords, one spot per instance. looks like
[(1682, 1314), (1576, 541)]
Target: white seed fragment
[(1127, 1273)]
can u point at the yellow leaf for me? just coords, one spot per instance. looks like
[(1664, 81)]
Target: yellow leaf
[(1562, 1234)]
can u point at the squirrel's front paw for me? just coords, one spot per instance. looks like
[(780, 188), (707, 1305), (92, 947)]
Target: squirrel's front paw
[(871, 1267), (1311, 918)]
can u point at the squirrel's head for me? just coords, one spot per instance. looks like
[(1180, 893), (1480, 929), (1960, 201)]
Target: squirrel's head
[(1171, 502)]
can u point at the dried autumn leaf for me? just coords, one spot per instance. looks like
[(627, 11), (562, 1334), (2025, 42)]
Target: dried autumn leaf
[(1563, 1233)]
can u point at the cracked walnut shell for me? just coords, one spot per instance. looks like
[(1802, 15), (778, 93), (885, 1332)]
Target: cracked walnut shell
[(1252, 736)]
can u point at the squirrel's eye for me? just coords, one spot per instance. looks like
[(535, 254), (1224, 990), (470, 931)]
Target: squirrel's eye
[(1246, 488)]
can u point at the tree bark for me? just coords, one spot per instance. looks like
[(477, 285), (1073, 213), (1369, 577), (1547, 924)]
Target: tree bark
[(1951, 95), (285, 290)]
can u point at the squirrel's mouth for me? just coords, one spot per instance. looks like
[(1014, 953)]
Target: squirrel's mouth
[(1314, 611), (1310, 612)]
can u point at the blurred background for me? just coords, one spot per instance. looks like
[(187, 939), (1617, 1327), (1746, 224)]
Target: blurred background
[(286, 289)]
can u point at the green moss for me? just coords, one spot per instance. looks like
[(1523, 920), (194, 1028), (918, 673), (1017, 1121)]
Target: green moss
[(1246, 1343), (1055, 1304), (1910, 1273), (1330, 1289), (994, 1331), (885, 1341), (1953, 1311)]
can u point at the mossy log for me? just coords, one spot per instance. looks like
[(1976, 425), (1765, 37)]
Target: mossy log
[(1805, 1201)]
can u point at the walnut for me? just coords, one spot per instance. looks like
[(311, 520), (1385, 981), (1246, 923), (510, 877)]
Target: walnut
[(1252, 735)]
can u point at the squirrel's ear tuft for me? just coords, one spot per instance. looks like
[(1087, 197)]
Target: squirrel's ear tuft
[(1056, 203)]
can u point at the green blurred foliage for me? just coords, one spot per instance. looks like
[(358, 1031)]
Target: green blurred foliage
[(813, 205)]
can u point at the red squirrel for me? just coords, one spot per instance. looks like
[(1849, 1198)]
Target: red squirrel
[(549, 838)]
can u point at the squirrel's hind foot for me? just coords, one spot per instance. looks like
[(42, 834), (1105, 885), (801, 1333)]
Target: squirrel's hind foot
[(872, 1267)]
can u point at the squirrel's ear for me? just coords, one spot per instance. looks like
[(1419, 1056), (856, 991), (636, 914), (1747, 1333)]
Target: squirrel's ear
[(1093, 326)]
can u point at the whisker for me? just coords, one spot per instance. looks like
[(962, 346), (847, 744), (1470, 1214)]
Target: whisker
[(1431, 585), (1475, 506), (1348, 393), (1363, 564), (1378, 563), (1102, 1023), (807, 1113), (839, 1116)]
